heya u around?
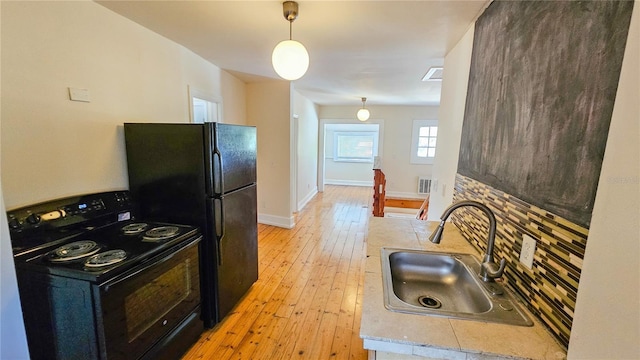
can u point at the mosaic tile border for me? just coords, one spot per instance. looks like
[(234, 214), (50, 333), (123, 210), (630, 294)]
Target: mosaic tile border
[(550, 287)]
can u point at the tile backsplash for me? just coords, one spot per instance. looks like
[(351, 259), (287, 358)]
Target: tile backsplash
[(550, 287)]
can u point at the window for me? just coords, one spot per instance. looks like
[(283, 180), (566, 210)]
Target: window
[(423, 141), (355, 146)]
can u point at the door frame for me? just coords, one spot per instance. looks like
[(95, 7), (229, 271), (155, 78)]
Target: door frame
[(322, 143), (214, 104)]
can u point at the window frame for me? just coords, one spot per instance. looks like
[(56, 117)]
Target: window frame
[(415, 138), (336, 144)]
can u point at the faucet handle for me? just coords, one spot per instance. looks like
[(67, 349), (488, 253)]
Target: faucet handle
[(490, 270)]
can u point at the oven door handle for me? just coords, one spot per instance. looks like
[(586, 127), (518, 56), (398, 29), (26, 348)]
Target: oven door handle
[(219, 236), (164, 259)]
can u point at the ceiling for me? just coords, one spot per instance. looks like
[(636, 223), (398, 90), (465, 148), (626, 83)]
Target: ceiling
[(374, 49)]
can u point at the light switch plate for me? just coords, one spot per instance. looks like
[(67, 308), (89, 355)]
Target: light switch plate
[(377, 163), (76, 94), (528, 251)]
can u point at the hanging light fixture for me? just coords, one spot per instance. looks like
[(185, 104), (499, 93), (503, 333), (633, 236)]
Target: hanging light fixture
[(363, 114), (290, 59)]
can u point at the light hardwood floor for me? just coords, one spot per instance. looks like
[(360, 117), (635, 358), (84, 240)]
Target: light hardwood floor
[(306, 303)]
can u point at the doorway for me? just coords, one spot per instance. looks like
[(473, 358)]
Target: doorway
[(204, 107), (347, 152)]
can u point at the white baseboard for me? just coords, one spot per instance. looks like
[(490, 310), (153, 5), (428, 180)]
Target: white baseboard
[(279, 221), (302, 203), (348, 182)]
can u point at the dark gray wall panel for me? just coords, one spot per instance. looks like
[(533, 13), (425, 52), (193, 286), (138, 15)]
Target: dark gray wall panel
[(542, 85)]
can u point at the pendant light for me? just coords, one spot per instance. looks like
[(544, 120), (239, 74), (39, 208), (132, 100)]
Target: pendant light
[(363, 114), (290, 59)]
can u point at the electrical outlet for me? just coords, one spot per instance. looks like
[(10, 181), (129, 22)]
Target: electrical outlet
[(528, 250)]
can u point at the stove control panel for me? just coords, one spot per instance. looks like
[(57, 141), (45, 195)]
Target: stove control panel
[(68, 211), (84, 207)]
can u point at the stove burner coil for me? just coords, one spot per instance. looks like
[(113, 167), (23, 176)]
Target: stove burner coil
[(73, 251), (134, 228), (161, 233), (105, 259)]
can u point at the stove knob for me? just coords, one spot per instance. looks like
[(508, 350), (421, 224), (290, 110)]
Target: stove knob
[(14, 224), (33, 219)]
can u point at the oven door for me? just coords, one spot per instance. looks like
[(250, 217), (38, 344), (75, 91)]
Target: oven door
[(145, 304)]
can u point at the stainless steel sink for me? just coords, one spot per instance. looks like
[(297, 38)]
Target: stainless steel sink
[(445, 284)]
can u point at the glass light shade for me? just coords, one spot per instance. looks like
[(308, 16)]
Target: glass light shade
[(363, 114), (290, 59)]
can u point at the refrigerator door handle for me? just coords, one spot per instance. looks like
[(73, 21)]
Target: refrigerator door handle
[(218, 179), (218, 203)]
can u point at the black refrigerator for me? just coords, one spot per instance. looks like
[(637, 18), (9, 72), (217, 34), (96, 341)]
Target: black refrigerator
[(204, 175)]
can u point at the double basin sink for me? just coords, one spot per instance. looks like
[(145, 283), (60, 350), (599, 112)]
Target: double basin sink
[(445, 284)]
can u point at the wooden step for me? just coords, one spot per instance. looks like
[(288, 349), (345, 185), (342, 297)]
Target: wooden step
[(403, 203)]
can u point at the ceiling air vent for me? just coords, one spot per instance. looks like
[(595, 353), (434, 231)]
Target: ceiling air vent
[(434, 74)]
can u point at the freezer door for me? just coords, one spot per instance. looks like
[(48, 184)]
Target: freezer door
[(233, 157), (237, 246), (167, 171)]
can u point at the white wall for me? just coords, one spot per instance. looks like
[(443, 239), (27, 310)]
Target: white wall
[(269, 109), (13, 341), (395, 149), (457, 64), (287, 124), (345, 173), (607, 315), (53, 147), (306, 119), (234, 95)]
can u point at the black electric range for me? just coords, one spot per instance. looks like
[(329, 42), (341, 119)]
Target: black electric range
[(91, 273), (101, 254)]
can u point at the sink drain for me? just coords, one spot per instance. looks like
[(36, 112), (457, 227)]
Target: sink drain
[(429, 302)]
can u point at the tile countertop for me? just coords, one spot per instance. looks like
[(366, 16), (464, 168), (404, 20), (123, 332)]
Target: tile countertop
[(438, 337)]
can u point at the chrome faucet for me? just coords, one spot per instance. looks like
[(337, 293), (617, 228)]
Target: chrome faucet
[(489, 270)]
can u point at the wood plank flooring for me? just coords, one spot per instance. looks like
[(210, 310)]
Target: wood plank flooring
[(307, 301)]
